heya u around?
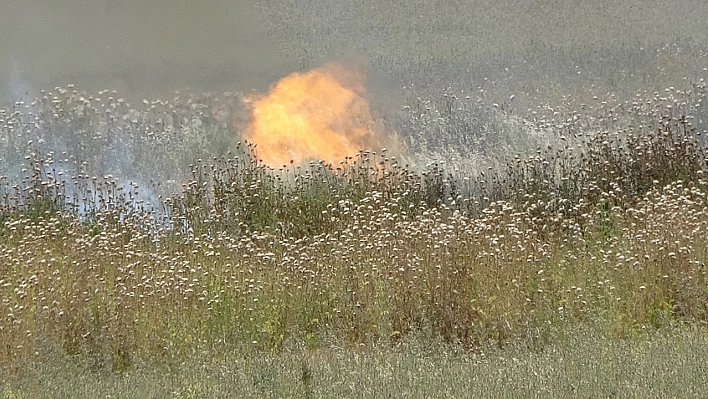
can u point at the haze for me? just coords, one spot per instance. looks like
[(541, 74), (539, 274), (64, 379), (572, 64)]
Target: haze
[(141, 48)]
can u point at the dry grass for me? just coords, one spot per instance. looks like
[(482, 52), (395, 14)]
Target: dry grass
[(368, 251)]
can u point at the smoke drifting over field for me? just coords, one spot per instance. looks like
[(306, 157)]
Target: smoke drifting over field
[(457, 80), (140, 48)]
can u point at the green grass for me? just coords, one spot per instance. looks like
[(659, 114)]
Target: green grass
[(579, 363)]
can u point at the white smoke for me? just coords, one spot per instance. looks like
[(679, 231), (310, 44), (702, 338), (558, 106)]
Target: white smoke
[(18, 87)]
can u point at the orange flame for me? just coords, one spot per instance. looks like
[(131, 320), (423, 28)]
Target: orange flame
[(318, 115)]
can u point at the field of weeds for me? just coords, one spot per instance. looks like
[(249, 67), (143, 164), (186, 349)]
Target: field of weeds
[(545, 238), (109, 275)]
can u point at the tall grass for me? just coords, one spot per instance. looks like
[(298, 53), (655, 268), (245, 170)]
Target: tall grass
[(604, 230)]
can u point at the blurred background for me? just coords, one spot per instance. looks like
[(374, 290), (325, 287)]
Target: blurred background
[(537, 50), (142, 48)]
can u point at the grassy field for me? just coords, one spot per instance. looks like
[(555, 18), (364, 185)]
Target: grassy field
[(358, 258), (584, 364), (545, 245)]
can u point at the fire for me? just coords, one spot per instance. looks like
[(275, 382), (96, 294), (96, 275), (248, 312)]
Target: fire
[(322, 114)]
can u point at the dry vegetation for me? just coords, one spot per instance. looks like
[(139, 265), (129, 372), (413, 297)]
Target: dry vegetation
[(556, 234), (605, 229)]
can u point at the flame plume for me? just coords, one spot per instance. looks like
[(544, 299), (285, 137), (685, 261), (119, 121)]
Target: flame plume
[(322, 114)]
